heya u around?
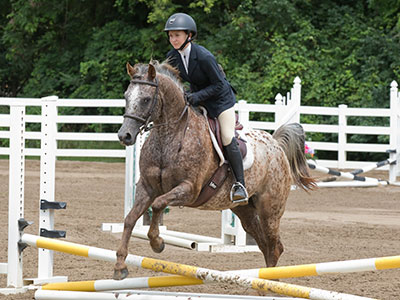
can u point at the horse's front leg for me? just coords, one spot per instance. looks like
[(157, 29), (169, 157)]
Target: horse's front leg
[(156, 242), (177, 196), (141, 204)]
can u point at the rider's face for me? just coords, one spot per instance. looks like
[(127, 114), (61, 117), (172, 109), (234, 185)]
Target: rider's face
[(177, 38)]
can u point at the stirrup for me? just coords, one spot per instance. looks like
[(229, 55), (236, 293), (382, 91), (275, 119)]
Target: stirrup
[(235, 186)]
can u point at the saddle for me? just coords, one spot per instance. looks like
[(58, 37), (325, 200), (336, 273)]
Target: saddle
[(222, 172), (216, 129)]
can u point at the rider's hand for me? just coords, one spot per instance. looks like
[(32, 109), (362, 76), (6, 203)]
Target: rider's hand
[(190, 98)]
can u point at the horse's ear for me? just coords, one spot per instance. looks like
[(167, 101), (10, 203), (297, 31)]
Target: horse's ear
[(131, 70), (152, 72)]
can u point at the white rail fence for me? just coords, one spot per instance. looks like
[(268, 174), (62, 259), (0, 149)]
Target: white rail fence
[(53, 103), (285, 109)]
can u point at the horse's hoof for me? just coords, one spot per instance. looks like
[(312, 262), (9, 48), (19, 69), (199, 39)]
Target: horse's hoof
[(160, 247), (120, 274)]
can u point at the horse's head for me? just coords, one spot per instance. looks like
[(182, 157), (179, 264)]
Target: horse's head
[(141, 99)]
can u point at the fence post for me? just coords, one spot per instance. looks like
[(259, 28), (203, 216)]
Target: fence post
[(280, 110), (47, 180), (394, 170), (296, 98), (16, 193), (342, 136), (244, 114), (289, 112)]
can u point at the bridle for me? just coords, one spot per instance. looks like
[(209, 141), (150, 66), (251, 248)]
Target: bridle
[(145, 126), (146, 122)]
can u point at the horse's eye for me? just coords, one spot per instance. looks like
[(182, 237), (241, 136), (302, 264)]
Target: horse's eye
[(147, 99)]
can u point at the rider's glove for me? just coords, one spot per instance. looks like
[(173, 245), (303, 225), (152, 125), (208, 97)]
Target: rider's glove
[(191, 98)]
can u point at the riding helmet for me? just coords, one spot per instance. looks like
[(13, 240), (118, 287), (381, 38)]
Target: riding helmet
[(181, 21)]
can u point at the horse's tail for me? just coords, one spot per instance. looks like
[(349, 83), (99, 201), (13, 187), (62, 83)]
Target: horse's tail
[(291, 138)]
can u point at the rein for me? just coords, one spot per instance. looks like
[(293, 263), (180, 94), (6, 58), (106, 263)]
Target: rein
[(146, 126)]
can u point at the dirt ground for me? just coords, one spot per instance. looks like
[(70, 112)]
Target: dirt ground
[(325, 225)]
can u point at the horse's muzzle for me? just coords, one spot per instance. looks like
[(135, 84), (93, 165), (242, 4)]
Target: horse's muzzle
[(127, 137)]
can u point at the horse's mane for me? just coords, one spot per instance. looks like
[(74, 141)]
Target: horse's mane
[(163, 68)]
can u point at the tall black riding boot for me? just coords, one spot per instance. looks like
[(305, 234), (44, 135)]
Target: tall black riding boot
[(238, 191)]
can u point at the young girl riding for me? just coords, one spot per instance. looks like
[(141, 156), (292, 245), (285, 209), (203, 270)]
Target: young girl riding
[(209, 88)]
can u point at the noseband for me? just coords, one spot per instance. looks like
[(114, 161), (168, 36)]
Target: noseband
[(146, 126)]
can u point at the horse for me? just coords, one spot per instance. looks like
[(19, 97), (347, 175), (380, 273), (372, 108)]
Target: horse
[(178, 158)]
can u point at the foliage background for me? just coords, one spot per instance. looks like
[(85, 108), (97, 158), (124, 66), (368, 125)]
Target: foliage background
[(345, 52)]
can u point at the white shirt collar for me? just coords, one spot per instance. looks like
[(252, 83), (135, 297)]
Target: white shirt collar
[(186, 51)]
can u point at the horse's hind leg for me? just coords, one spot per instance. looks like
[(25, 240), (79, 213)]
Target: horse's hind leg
[(264, 228), (275, 246)]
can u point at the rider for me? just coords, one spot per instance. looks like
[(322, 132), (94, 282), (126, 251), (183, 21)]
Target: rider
[(209, 88)]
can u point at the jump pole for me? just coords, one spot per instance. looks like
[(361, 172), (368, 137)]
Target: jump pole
[(347, 175), (207, 275), (336, 267), (374, 166), (128, 283), (352, 183), (142, 295)]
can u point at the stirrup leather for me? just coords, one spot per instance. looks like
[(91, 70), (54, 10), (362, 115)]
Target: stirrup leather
[(235, 186)]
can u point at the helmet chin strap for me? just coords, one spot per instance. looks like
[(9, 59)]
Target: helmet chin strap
[(188, 40)]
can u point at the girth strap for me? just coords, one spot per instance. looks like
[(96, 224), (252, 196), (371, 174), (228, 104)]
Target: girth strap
[(212, 186)]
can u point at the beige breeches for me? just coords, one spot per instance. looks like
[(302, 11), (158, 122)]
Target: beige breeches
[(227, 122)]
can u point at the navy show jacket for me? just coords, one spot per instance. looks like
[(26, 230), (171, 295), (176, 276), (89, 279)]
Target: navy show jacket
[(208, 84)]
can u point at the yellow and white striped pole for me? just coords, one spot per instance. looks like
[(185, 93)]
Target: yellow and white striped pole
[(207, 275), (346, 266), (128, 283)]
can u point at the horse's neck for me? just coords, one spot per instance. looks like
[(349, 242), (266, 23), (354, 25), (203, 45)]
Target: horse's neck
[(172, 103), (172, 112), (171, 109)]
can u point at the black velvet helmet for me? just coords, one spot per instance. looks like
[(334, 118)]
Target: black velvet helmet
[(181, 21)]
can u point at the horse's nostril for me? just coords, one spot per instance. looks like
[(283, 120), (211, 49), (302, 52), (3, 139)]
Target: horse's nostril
[(124, 136)]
